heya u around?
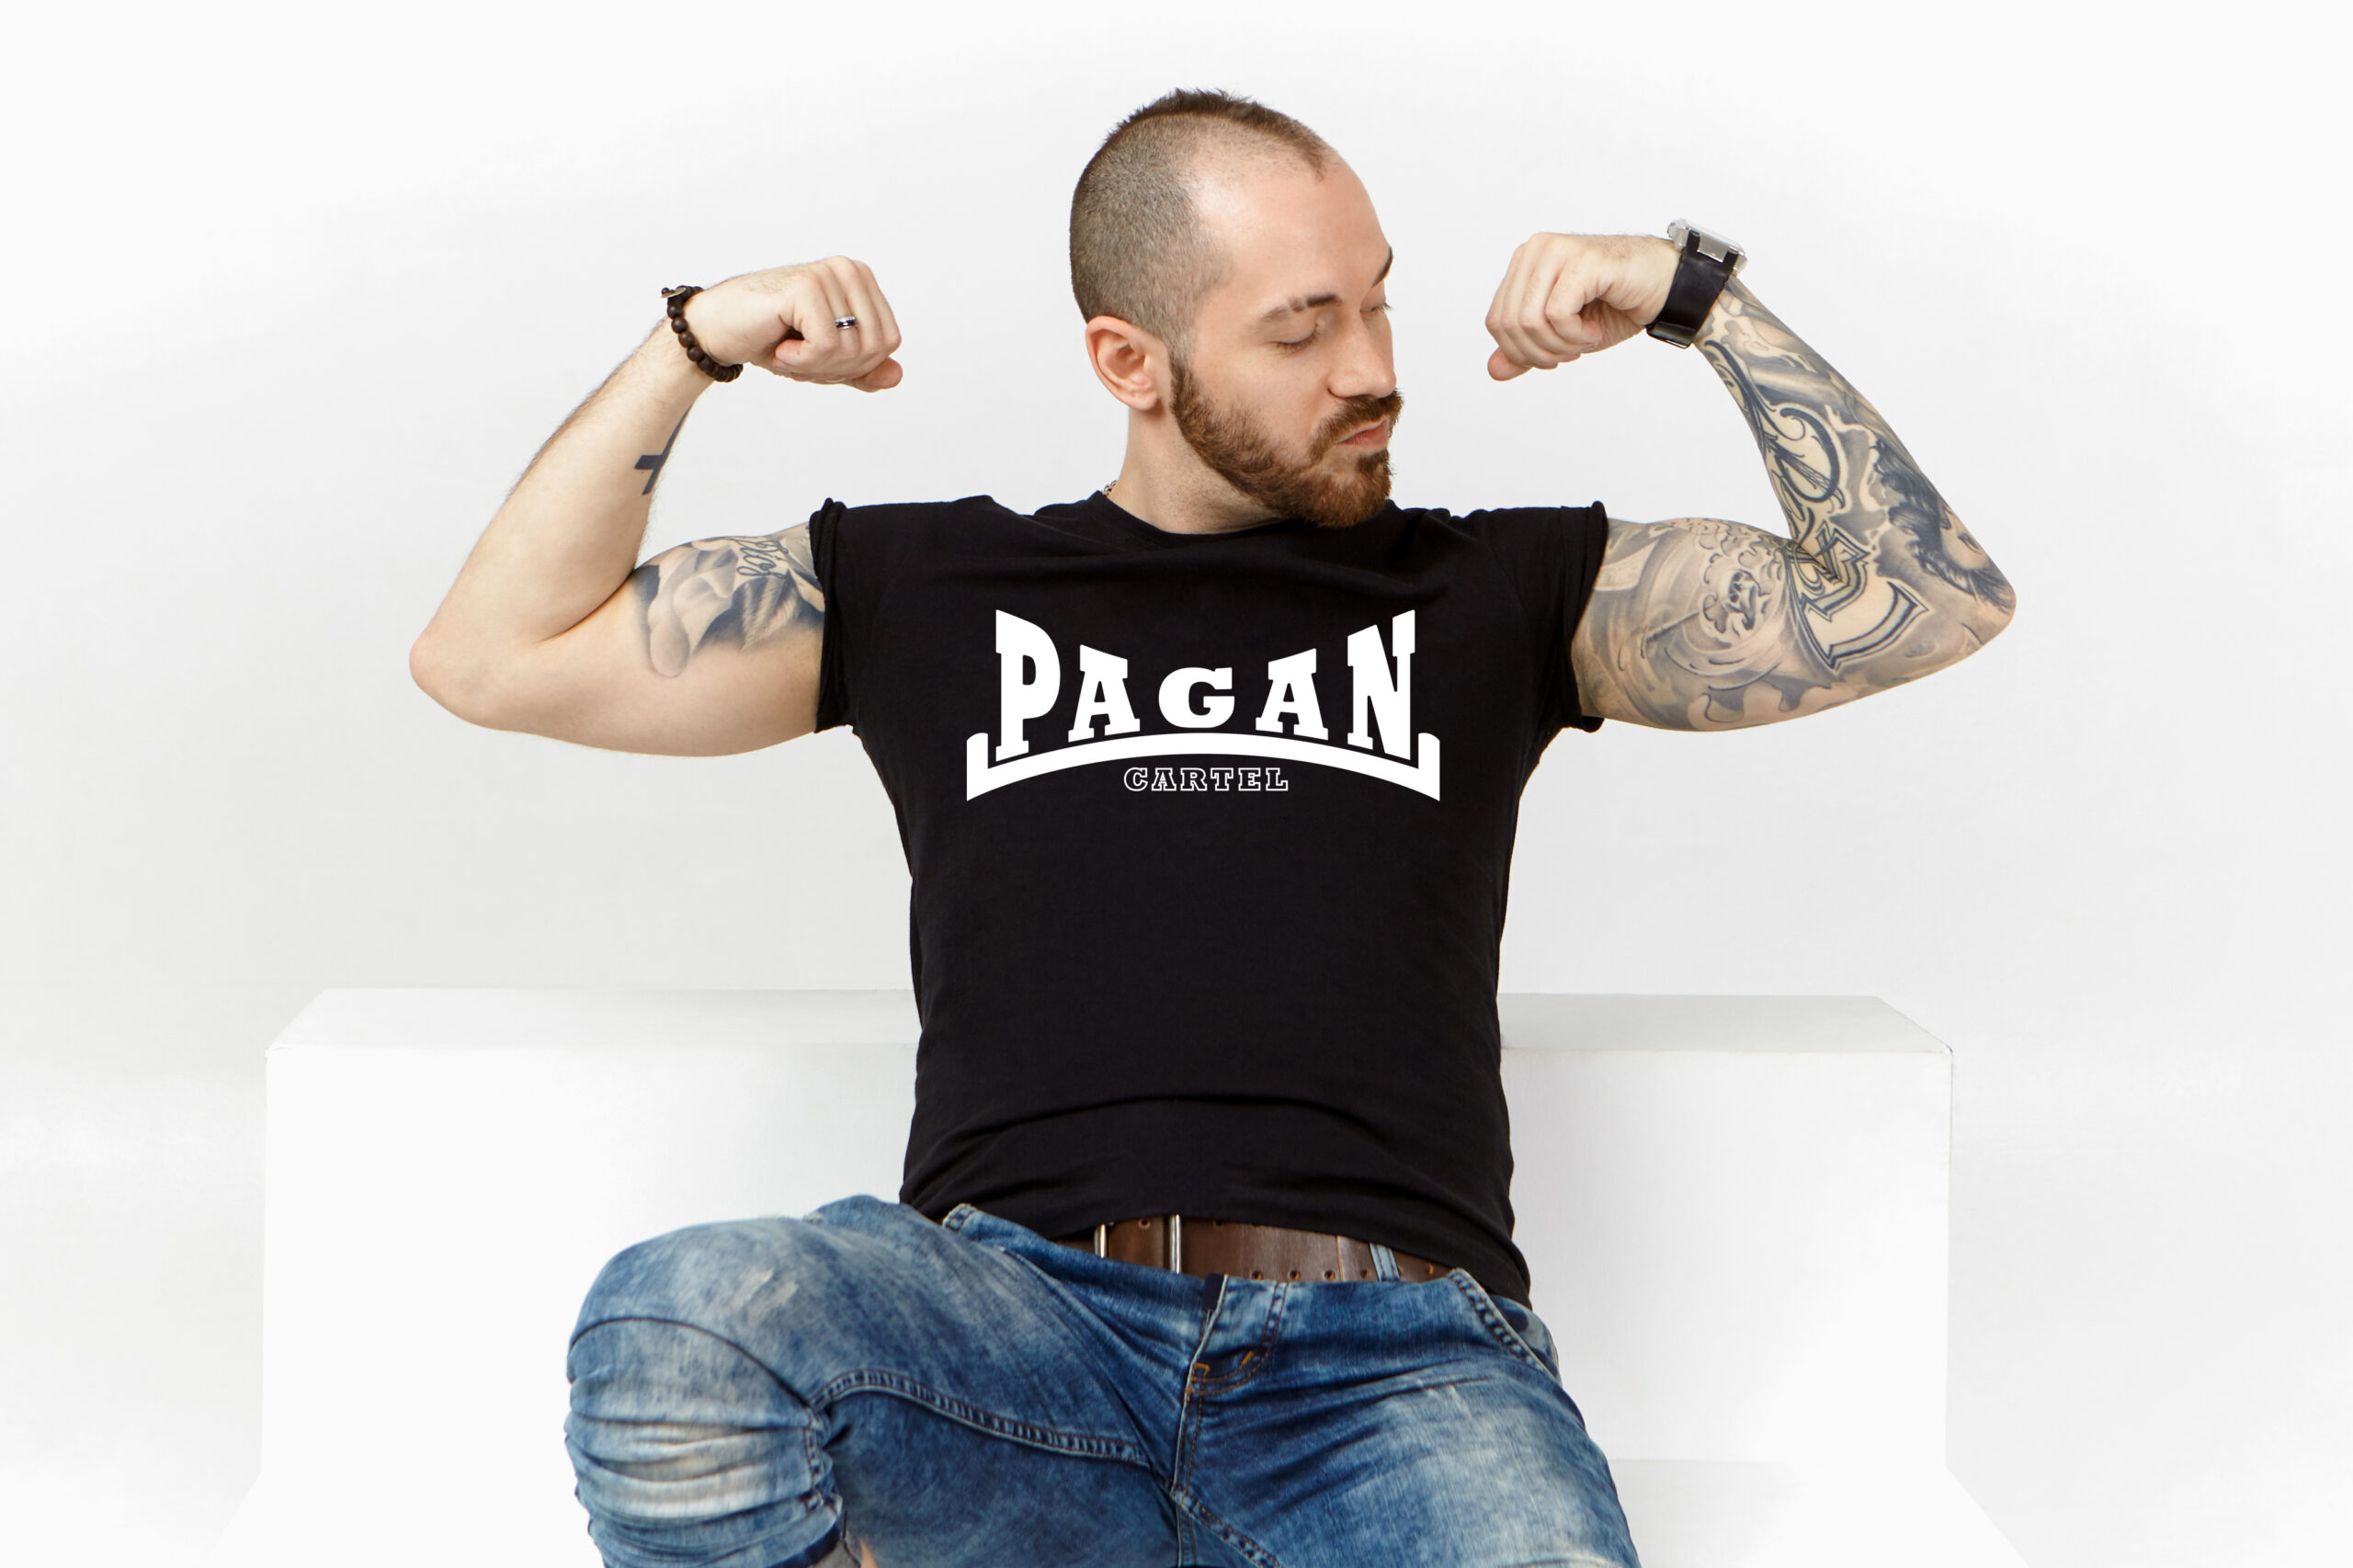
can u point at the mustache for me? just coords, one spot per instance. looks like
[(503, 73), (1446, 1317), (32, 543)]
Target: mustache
[(1356, 416)]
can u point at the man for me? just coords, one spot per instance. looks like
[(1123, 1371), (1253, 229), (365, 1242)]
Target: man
[(1208, 784)]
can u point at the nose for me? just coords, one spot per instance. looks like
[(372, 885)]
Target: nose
[(1367, 368)]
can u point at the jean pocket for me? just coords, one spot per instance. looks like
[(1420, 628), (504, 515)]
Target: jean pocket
[(1513, 1327)]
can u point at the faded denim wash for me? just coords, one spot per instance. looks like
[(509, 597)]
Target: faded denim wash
[(767, 1394)]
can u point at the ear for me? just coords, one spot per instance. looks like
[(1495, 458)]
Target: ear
[(1131, 363)]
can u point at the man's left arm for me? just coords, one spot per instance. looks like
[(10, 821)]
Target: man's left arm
[(1697, 624)]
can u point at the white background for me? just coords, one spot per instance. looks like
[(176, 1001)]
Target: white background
[(296, 292)]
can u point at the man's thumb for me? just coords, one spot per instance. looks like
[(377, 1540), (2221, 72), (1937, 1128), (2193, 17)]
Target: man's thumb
[(1502, 369)]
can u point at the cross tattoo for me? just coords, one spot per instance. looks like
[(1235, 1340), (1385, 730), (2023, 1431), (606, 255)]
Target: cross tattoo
[(655, 460)]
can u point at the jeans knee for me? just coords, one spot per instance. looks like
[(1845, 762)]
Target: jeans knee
[(653, 1393), (686, 1449), (686, 1434)]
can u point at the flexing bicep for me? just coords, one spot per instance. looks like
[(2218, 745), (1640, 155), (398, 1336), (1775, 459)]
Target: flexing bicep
[(709, 648), (1696, 623)]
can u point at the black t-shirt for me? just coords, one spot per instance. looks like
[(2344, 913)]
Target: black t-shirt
[(1210, 837)]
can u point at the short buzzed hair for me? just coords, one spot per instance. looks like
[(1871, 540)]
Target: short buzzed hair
[(1136, 247)]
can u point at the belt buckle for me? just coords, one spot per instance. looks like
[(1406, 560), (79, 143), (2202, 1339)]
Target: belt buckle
[(1176, 1240)]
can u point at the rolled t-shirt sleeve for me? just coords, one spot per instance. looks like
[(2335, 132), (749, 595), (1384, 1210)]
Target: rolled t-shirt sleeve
[(838, 580), (1552, 556)]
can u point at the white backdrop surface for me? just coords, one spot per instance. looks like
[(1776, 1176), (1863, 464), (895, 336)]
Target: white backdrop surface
[(298, 292)]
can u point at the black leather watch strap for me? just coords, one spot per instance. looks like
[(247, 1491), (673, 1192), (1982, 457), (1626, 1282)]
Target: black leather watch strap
[(1698, 278)]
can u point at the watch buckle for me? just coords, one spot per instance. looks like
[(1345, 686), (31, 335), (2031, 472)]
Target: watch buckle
[(1715, 247)]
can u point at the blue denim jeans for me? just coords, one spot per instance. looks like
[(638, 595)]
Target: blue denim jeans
[(771, 1393)]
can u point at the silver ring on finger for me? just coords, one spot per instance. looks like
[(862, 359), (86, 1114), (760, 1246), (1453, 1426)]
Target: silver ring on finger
[(845, 323)]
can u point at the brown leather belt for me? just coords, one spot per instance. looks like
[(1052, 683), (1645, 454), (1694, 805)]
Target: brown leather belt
[(1252, 1252)]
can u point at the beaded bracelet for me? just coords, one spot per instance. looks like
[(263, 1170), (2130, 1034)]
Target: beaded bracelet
[(703, 362)]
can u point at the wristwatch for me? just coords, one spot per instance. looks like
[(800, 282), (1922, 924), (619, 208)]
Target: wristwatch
[(1707, 264)]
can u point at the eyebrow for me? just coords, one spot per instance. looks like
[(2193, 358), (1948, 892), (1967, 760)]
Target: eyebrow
[(1308, 302)]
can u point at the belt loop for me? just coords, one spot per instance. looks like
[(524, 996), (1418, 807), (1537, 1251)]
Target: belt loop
[(1176, 1243), (1099, 1229), (1384, 1261)]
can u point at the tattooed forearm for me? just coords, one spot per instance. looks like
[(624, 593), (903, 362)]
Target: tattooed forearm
[(745, 592), (1697, 624)]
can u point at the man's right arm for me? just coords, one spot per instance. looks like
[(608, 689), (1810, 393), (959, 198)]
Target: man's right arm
[(707, 648)]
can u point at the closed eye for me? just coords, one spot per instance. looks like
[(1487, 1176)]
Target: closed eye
[(1302, 342)]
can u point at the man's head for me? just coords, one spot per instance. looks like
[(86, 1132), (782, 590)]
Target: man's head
[(1230, 270)]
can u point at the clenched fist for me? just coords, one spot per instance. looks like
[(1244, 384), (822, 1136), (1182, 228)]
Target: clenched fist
[(1569, 294), (783, 321)]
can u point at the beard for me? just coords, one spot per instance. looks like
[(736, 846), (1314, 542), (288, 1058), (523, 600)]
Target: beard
[(1244, 455)]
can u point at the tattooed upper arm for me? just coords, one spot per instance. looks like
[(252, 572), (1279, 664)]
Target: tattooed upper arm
[(743, 591), (1697, 624), (1700, 624), (711, 647)]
